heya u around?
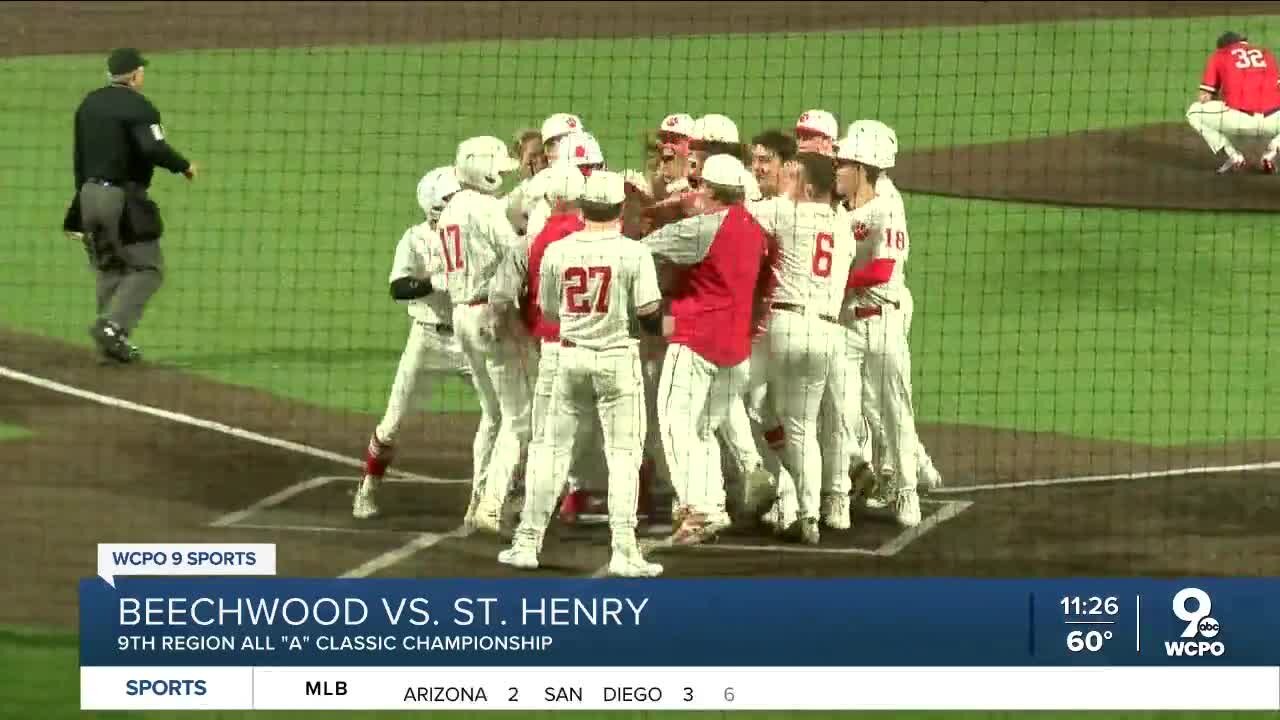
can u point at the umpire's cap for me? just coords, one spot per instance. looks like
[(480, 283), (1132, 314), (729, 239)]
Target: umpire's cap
[(124, 60), (1230, 38)]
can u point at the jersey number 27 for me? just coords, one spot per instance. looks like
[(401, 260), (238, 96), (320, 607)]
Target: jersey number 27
[(576, 291)]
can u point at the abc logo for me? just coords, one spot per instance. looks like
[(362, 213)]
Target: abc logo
[(1192, 606)]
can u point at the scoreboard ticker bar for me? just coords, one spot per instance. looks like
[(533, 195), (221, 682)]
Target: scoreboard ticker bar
[(696, 688)]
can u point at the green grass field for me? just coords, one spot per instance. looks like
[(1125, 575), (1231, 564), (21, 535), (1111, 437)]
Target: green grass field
[(1098, 323), (1144, 326), (13, 432)]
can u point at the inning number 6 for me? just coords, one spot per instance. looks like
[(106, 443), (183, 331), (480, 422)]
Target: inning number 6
[(822, 255), (1249, 58)]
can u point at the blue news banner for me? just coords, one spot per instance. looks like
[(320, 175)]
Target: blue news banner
[(286, 622)]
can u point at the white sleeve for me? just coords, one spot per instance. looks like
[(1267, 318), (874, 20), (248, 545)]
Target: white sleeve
[(549, 285), (766, 213), (408, 261)]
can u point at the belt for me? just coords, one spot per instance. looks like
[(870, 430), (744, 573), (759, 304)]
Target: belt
[(105, 182), (478, 302), (442, 328), (868, 311), (571, 344), (792, 307)]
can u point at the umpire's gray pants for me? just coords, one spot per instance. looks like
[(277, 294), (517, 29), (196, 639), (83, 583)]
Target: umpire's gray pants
[(127, 275)]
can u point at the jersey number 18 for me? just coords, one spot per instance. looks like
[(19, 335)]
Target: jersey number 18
[(576, 290)]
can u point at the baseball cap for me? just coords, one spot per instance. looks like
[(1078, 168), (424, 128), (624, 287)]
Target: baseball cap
[(677, 124), (725, 170), (820, 122), (715, 128), (604, 188), (561, 182), (124, 60), (581, 148), (560, 124)]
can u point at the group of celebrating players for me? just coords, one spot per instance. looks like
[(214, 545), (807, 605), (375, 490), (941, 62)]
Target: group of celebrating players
[(655, 329)]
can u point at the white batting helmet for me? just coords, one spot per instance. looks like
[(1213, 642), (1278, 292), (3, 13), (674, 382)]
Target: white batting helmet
[(820, 122), (559, 125), (869, 142), (434, 190), (678, 124), (481, 161)]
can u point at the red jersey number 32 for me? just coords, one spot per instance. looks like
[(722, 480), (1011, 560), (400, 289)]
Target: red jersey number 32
[(577, 289)]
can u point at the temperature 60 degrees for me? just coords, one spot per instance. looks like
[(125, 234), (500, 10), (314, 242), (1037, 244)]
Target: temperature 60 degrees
[(1092, 640)]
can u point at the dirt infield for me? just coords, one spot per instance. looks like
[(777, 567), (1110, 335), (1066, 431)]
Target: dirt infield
[(1163, 166), (57, 27), (100, 470)]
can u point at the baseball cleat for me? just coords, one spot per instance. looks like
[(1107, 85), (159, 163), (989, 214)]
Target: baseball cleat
[(365, 504), (113, 343), (1232, 165), (523, 553), (835, 511), (697, 528), (487, 517), (804, 531), (906, 507), (1269, 164), (628, 561), (760, 491)]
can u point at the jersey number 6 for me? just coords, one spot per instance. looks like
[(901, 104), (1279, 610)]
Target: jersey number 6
[(451, 234), (575, 289), (822, 254)]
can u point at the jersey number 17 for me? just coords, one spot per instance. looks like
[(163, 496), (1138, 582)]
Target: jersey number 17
[(576, 290), (451, 235)]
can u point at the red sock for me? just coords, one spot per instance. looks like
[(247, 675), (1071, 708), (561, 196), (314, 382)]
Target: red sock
[(776, 438), (377, 457)]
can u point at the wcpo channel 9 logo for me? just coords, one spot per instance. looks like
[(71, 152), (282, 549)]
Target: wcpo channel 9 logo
[(1192, 606)]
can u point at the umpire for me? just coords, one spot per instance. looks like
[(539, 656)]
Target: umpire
[(119, 142)]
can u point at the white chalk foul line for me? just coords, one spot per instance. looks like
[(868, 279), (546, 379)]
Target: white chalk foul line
[(949, 509), (1085, 479), (271, 500), (404, 552), (212, 425)]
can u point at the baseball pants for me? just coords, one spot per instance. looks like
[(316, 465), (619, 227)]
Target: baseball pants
[(425, 344), (1217, 124), (805, 359), (694, 399), (127, 275), (589, 386), (652, 352), (502, 373), (881, 341), (539, 477)]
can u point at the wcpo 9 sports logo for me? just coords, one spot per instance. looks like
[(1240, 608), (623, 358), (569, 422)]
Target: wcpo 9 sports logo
[(1192, 606)]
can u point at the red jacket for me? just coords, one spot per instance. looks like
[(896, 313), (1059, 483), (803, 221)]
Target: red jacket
[(558, 227), (713, 309)]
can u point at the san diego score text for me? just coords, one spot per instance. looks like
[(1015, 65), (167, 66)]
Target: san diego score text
[(359, 625)]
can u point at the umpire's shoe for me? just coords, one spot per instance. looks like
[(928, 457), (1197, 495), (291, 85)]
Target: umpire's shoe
[(113, 343)]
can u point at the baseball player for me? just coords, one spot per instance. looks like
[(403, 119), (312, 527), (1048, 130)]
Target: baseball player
[(878, 312), (519, 200), (706, 367), (816, 132), (416, 281), (474, 236), (596, 282), (770, 150), (804, 343), (1245, 80)]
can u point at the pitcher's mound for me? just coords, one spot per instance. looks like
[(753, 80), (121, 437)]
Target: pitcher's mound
[(1154, 166)]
